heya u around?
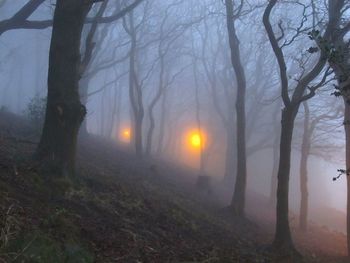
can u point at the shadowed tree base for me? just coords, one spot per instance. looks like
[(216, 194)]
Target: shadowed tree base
[(237, 210)]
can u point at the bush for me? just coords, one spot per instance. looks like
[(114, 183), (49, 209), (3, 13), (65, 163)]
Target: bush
[(3, 108), (35, 112)]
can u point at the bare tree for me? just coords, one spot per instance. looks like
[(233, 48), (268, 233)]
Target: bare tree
[(283, 240), (310, 124), (169, 34), (238, 199), (136, 79), (64, 110), (338, 58), (20, 18)]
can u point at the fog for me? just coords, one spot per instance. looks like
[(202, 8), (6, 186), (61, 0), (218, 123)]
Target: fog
[(160, 83)]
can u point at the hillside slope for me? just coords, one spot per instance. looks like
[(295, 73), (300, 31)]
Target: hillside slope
[(119, 209)]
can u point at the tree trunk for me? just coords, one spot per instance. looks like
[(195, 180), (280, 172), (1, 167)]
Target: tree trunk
[(273, 182), (198, 120), (19, 107), (138, 136), (102, 113), (303, 189), (152, 105), (116, 113), (162, 124), (199, 128), (230, 161), (84, 87), (110, 114), (86, 62), (305, 151), (283, 240), (347, 148), (238, 199), (150, 133), (135, 89), (276, 143), (64, 111)]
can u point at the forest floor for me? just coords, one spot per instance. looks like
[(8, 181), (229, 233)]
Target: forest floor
[(119, 209)]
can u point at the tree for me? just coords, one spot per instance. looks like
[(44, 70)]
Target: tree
[(238, 199), (283, 240), (211, 53), (275, 154), (64, 111), (20, 21), (305, 151), (20, 18), (169, 33), (309, 141), (338, 58), (135, 86), (88, 57)]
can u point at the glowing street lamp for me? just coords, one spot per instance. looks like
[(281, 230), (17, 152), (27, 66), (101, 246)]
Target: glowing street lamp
[(196, 140), (195, 145), (125, 135)]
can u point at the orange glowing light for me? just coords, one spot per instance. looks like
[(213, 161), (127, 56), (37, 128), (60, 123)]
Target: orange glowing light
[(125, 135), (196, 140)]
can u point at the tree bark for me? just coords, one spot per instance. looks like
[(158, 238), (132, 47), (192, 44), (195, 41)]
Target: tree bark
[(283, 240), (152, 105), (135, 89), (138, 136), (238, 199), (116, 112), (86, 63), (64, 111), (275, 153), (162, 124), (305, 152), (273, 182), (230, 156), (347, 154), (199, 125), (84, 88)]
